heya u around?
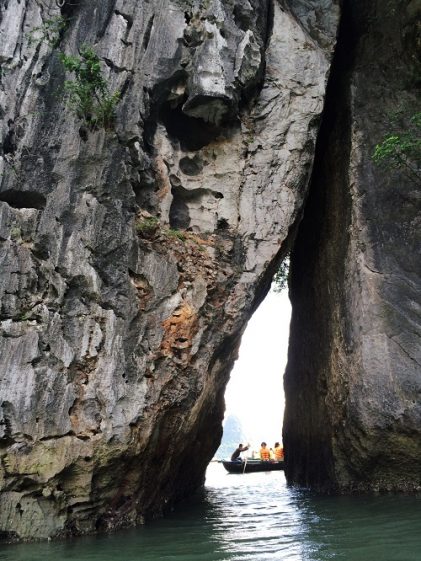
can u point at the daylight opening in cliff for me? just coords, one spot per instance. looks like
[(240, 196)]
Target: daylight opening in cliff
[(255, 395)]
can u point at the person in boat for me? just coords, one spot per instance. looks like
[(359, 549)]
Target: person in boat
[(278, 452), (264, 452), (236, 455)]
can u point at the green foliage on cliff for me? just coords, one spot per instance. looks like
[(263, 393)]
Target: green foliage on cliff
[(148, 225), (402, 151), (49, 32), (280, 279), (178, 234), (88, 95)]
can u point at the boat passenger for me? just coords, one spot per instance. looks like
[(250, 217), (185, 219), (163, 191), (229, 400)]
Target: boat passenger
[(279, 452), (235, 457), (264, 452)]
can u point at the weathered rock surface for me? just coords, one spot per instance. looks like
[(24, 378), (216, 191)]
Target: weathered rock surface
[(132, 258), (353, 381)]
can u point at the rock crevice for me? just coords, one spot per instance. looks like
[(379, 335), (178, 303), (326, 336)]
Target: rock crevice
[(133, 255), (351, 389)]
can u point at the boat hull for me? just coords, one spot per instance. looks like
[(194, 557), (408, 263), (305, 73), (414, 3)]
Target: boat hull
[(252, 466)]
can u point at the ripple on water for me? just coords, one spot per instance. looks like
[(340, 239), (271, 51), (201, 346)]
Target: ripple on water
[(255, 517)]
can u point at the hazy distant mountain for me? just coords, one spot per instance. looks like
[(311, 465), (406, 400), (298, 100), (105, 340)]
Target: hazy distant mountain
[(233, 435)]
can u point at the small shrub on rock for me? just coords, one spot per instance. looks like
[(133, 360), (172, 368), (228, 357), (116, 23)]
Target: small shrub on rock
[(88, 95)]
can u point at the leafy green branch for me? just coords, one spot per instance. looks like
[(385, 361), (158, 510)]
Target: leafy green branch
[(402, 151), (280, 278), (88, 95), (49, 32)]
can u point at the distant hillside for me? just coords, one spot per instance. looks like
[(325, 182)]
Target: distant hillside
[(233, 435)]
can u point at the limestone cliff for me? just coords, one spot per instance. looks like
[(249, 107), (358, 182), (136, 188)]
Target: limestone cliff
[(132, 255), (133, 252), (353, 381)]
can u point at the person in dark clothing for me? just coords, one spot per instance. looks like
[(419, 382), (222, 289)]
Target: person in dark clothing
[(235, 457)]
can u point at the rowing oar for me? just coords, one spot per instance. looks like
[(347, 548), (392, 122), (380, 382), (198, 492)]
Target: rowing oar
[(245, 460)]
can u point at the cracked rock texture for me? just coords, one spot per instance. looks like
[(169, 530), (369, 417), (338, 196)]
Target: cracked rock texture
[(132, 258), (353, 381)]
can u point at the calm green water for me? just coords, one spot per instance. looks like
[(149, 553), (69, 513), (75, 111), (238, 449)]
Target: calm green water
[(255, 517)]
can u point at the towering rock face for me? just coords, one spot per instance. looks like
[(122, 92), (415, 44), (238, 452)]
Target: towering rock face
[(132, 255), (353, 381)]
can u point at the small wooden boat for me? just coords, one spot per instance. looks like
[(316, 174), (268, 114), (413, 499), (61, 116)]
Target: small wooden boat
[(252, 466)]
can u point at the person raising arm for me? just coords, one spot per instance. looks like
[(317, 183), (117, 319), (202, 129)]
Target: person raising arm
[(235, 457)]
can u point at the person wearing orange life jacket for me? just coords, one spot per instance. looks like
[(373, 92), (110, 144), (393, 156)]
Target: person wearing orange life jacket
[(279, 452), (264, 452)]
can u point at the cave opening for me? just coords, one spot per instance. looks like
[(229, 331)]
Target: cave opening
[(192, 133), (254, 396)]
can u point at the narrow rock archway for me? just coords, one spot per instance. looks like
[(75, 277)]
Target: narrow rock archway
[(133, 253)]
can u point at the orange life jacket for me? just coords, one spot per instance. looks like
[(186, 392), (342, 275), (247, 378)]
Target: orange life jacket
[(279, 453), (264, 454)]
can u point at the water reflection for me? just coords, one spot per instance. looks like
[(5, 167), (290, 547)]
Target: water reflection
[(260, 519), (377, 528), (255, 517)]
